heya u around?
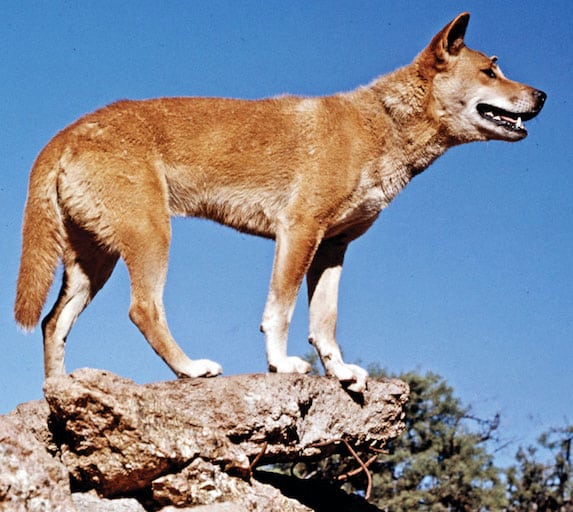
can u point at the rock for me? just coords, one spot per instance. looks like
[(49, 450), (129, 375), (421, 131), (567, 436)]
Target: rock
[(117, 436), (30, 477), (217, 507), (188, 444), (33, 417), (91, 502), (203, 483)]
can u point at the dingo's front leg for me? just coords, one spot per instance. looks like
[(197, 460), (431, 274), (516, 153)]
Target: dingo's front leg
[(323, 279), (294, 251)]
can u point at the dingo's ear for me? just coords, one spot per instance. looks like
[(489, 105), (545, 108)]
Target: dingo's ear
[(450, 40)]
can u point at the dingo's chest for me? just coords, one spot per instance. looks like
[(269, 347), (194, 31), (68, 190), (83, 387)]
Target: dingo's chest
[(370, 197)]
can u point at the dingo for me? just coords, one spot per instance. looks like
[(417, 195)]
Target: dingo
[(311, 173)]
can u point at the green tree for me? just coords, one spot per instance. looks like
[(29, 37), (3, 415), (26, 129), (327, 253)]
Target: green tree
[(440, 463), (536, 486)]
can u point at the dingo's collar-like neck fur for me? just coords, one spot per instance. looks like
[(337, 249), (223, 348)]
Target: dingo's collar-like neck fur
[(311, 173)]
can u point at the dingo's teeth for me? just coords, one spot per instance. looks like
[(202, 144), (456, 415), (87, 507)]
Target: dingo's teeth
[(519, 124), (503, 118)]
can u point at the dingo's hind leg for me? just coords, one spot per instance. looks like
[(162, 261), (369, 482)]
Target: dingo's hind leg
[(323, 279), (145, 251), (87, 267)]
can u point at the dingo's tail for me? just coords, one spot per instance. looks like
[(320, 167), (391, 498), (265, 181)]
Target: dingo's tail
[(42, 239)]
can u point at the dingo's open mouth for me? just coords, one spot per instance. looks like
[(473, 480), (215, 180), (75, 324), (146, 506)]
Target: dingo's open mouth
[(512, 121)]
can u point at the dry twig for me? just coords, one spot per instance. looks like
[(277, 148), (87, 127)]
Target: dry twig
[(363, 465), (256, 460)]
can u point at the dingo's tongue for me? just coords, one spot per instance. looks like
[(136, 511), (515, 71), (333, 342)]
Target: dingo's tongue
[(518, 123)]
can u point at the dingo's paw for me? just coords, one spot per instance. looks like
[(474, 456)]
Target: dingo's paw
[(200, 368), (290, 365), (351, 376)]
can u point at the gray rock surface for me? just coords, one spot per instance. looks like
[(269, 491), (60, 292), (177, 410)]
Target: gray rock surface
[(30, 477), (189, 444)]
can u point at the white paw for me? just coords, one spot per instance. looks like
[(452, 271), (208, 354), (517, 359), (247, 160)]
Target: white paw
[(200, 368), (290, 365), (351, 376)]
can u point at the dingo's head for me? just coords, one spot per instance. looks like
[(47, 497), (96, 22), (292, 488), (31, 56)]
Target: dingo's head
[(471, 98)]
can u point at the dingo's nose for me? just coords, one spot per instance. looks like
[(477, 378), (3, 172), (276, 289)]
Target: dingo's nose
[(541, 97)]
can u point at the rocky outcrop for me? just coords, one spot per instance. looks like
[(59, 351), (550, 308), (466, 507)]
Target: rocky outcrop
[(100, 442), (30, 477)]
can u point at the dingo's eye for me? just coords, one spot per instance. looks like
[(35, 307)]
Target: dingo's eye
[(489, 72)]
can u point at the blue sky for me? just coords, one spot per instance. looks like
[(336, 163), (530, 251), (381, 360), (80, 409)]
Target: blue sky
[(467, 273)]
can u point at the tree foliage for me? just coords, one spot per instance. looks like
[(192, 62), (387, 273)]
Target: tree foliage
[(440, 462), (543, 486)]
